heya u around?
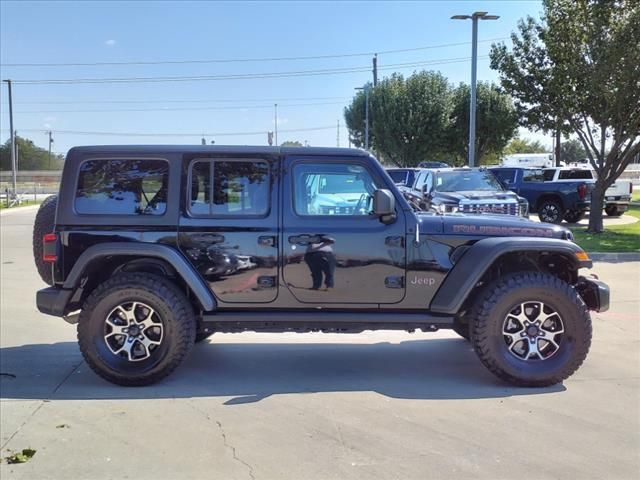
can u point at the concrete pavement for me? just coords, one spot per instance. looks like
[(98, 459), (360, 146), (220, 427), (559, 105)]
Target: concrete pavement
[(312, 406)]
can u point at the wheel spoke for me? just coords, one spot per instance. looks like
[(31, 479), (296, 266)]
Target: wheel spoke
[(115, 327), (533, 352)]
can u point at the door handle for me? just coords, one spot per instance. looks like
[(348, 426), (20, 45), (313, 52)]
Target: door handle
[(304, 239), (208, 238)]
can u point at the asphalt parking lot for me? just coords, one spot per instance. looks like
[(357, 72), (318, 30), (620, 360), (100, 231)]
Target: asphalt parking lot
[(312, 406)]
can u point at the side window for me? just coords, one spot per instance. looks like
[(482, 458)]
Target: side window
[(549, 174), (332, 189), (420, 181), (238, 188), (533, 176), (122, 187), (429, 182), (505, 176)]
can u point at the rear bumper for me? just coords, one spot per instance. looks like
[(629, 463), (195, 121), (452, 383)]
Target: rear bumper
[(53, 301), (594, 293)]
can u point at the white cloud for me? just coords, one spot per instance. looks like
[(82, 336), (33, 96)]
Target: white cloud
[(110, 43)]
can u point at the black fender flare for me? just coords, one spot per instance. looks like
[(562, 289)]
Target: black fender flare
[(154, 250), (468, 271)]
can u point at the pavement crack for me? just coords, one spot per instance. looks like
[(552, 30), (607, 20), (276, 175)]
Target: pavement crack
[(42, 402), (233, 449), (225, 441)]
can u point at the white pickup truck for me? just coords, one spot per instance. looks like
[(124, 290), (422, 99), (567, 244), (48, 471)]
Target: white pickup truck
[(617, 197)]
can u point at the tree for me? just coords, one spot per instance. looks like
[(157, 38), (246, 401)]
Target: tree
[(578, 69), (572, 151), (524, 145), (30, 156), (496, 122), (291, 143), (408, 117)]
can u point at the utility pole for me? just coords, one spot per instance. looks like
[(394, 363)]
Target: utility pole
[(13, 142), (338, 134), (50, 142), (375, 69), (275, 121), (474, 66), (557, 147)]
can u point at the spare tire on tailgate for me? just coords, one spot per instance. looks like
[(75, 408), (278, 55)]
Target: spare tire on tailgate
[(44, 223)]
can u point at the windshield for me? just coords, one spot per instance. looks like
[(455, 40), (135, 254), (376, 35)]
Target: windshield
[(464, 181)]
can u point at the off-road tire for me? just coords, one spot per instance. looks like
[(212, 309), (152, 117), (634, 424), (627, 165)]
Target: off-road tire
[(499, 298), (43, 224), (613, 211), (573, 216), (171, 305), (546, 207)]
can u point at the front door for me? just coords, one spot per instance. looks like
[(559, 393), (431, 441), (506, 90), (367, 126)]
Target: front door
[(334, 250), (229, 230)]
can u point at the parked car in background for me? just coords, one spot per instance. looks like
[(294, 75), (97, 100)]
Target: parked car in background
[(403, 176), (553, 201), (617, 196), (433, 165), (464, 190)]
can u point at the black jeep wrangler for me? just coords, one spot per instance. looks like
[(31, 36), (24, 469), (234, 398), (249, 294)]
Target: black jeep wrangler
[(154, 248)]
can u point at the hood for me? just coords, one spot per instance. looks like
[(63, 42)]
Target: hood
[(478, 195), (487, 225)]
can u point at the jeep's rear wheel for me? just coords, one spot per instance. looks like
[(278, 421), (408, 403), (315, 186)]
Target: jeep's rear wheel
[(135, 329), (550, 211), (42, 225), (531, 329)]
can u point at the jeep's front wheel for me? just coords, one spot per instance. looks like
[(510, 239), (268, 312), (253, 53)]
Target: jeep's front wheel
[(135, 329), (531, 329)]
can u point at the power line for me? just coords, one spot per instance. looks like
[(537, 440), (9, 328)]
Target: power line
[(246, 76), (236, 100), (247, 60), (177, 134), (180, 109)]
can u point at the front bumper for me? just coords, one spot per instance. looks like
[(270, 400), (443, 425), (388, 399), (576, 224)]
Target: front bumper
[(594, 293), (53, 301)]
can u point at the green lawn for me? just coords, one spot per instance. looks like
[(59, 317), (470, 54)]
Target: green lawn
[(635, 196), (3, 204), (618, 238)]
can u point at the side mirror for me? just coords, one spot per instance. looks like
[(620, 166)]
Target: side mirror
[(384, 205)]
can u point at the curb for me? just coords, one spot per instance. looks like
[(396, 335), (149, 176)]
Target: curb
[(9, 211), (615, 256)]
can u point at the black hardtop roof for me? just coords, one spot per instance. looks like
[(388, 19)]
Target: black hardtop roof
[(218, 149)]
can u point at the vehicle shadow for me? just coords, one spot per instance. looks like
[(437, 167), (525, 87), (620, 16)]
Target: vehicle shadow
[(420, 369)]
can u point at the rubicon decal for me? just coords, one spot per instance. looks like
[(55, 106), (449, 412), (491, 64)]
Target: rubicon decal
[(508, 231)]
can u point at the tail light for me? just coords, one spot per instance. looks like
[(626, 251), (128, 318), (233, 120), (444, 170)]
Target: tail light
[(582, 191), (50, 248)]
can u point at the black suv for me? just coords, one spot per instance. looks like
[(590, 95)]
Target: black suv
[(154, 248)]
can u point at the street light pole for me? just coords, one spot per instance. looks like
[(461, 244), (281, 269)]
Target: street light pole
[(275, 121), (474, 67), (13, 143)]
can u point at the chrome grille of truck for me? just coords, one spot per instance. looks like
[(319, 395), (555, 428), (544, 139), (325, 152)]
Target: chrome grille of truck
[(497, 208)]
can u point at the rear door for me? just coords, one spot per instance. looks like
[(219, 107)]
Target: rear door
[(334, 250), (229, 226)]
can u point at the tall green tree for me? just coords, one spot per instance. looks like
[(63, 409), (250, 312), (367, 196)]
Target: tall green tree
[(30, 156), (496, 122), (578, 68), (291, 143), (524, 145), (408, 117), (572, 151)]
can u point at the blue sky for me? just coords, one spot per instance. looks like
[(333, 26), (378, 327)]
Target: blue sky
[(90, 32)]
